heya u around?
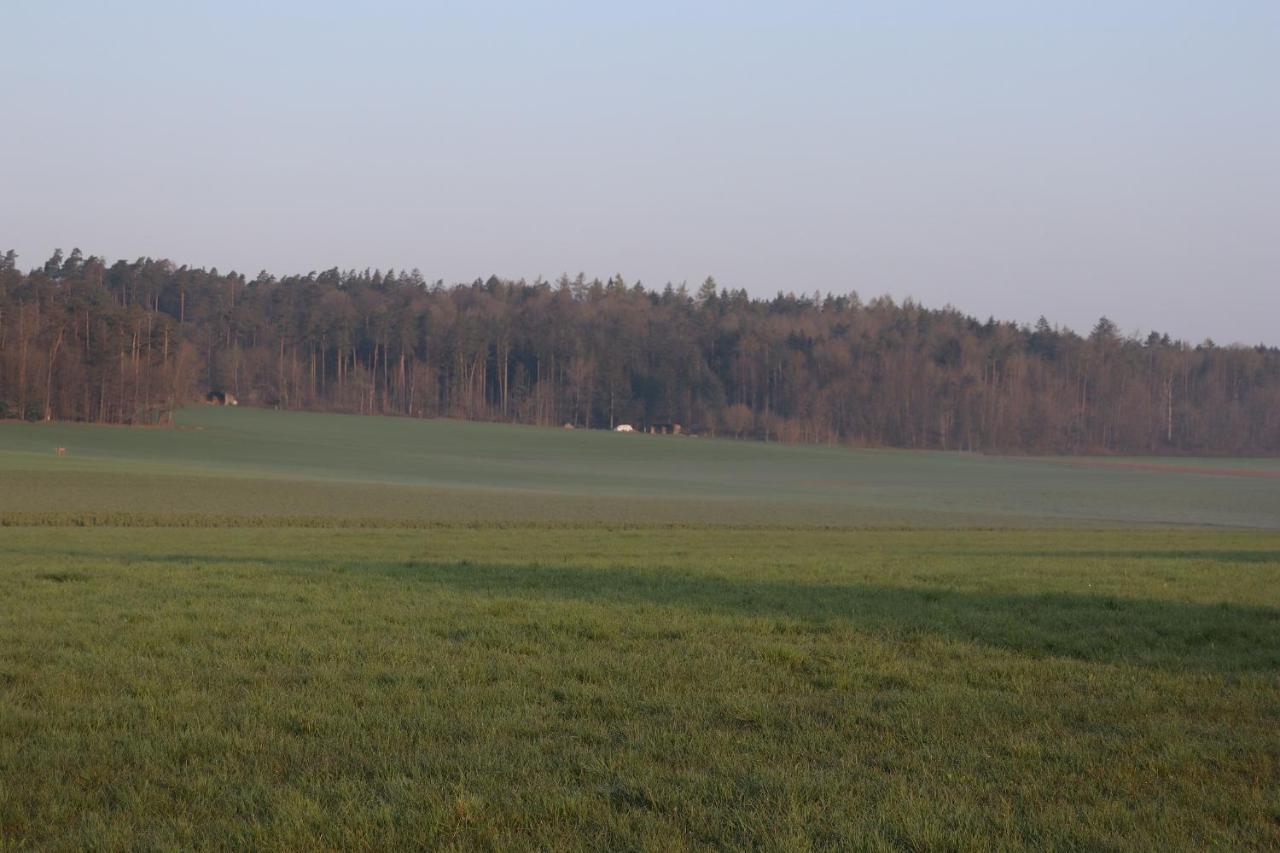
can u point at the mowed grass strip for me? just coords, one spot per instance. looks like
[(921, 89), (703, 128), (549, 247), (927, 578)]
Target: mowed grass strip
[(638, 689)]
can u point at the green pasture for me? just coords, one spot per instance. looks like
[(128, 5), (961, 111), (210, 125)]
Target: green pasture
[(532, 688), (284, 631), (247, 462)]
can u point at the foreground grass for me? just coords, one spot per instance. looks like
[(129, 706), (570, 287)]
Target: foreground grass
[(658, 689)]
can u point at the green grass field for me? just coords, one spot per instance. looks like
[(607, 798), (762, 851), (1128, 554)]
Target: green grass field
[(245, 463), (291, 631)]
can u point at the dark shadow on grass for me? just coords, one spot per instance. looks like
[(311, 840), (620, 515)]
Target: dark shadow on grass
[(1170, 635), (1141, 632)]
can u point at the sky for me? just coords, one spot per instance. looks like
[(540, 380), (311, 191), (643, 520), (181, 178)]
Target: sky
[(1008, 158)]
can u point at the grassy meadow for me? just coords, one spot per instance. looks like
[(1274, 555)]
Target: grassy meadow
[(244, 463), (287, 631)]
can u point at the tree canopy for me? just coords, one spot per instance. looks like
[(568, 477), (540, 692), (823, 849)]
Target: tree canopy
[(128, 342)]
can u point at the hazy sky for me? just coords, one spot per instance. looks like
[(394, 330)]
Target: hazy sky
[(1011, 158)]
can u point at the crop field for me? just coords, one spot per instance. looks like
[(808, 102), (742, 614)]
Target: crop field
[(281, 631), (243, 463)]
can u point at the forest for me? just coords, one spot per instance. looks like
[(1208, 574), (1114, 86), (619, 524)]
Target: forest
[(129, 342)]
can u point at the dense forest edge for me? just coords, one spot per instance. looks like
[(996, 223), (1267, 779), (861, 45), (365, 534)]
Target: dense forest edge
[(127, 343)]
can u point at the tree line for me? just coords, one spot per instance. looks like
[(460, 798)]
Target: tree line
[(127, 343)]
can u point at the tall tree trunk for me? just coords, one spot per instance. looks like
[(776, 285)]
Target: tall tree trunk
[(48, 377)]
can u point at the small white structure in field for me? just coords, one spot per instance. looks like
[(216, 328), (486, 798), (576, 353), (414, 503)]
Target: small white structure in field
[(624, 428)]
